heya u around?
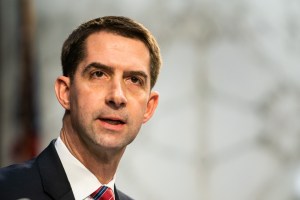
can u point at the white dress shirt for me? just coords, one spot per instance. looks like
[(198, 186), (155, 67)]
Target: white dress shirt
[(82, 181)]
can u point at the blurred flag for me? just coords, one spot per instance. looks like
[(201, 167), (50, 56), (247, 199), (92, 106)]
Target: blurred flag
[(26, 144)]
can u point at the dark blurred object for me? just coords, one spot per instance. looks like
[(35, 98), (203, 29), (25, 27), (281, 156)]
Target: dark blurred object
[(26, 145), (1, 82)]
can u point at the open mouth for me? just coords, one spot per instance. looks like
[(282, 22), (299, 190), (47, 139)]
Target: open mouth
[(112, 121)]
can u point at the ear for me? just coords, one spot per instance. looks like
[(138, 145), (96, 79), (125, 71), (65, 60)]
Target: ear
[(62, 91), (151, 106)]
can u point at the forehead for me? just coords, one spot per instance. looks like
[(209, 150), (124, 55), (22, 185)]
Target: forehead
[(116, 50)]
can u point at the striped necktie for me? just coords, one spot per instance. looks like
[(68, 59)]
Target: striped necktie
[(103, 193)]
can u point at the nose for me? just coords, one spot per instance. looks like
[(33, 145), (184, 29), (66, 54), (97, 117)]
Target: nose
[(116, 97)]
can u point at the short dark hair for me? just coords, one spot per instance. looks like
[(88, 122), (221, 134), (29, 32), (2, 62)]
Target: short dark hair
[(74, 50)]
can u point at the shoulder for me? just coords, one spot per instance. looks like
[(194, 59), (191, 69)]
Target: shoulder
[(26, 179), (14, 177), (17, 171)]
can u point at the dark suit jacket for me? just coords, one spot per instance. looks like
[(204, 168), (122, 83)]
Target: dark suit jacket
[(42, 178)]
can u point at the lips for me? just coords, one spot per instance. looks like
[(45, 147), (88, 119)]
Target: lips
[(112, 121), (115, 124)]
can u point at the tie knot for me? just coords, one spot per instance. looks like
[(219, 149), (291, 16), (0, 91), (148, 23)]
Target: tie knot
[(103, 193)]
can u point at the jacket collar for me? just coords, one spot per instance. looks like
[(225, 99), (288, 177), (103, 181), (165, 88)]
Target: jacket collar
[(53, 176)]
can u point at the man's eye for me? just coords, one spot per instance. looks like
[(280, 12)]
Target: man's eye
[(135, 80), (97, 74)]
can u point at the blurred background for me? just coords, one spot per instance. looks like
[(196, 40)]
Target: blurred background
[(228, 123)]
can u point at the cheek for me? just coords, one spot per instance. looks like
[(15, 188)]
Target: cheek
[(86, 105), (81, 101), (140, 107)]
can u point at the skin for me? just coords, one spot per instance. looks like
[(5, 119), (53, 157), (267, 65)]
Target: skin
[(107, 101)]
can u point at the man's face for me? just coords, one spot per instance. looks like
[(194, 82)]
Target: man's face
[(110, 96)]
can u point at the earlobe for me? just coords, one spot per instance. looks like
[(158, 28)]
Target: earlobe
[(62, 91), (151, 106)]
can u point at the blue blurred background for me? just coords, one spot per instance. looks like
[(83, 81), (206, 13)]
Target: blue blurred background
[(228, 123)]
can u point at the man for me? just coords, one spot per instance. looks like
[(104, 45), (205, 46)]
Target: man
[(110, 66)]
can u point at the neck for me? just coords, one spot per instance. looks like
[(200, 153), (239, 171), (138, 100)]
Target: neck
[(101, 162)]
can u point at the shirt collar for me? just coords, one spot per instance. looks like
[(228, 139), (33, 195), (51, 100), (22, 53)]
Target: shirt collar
[(83, 182)]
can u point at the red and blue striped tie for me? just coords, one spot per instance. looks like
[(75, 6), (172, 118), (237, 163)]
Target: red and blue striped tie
[(103, 193)]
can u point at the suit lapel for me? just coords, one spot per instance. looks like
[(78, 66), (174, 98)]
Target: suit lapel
[(53, 176), (116, 194)]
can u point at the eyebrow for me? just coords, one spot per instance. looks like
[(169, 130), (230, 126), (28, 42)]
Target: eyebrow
[(96, 65), (110, 70)]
